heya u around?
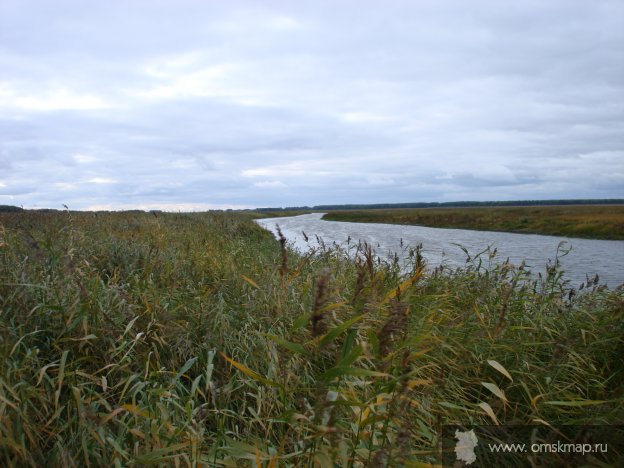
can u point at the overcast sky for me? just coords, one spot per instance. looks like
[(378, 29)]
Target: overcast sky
[(213, 104)]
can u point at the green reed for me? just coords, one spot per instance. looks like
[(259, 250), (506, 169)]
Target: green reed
[(139, 339)]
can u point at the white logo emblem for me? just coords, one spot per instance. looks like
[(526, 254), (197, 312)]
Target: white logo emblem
[(466, 443)]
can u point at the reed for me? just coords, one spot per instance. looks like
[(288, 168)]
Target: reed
[(130, 339)]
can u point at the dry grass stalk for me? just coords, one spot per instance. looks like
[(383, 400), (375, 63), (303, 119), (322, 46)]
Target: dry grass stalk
[(282, 240), (396, 323), (318, 325)]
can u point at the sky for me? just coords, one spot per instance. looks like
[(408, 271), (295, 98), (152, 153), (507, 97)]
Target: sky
[(194, 105)]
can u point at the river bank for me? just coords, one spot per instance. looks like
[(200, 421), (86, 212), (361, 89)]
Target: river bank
[(580, 221)]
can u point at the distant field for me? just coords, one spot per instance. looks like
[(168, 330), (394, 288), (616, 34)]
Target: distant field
[(591, 222)]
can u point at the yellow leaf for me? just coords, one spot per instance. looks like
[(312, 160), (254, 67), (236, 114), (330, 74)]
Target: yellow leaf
[(43, 371), (245, 370), (416, 382), (495, 390), (541, 421), (84, 338), (137, 433), (403, 286), (489, 411), (332, 306), (135, 410), (111, 415), (419, 353), (250, 281), (499, 367)]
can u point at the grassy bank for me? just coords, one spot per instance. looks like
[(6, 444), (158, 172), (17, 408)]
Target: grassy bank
[(586, 221), (195, 340)]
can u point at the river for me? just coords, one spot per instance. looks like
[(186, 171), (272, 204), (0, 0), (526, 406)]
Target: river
[(586, 258)]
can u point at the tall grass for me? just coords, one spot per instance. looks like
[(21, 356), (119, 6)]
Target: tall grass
[(132, 339)]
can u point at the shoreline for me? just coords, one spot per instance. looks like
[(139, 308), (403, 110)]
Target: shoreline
[(598, 222)]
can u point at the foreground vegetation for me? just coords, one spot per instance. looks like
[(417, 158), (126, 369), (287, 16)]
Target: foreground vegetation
[(195, 340), (587, 221)]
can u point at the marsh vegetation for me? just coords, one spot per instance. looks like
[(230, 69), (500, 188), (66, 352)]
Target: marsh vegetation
[(132, 339)]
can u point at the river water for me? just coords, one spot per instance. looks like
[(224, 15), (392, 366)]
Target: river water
[(586, 258)]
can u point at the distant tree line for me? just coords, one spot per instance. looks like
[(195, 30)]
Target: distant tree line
[(381, 206), (457, 204), (10, 208), (15, 209)]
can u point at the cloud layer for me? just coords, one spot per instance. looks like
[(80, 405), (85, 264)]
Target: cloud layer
[(194, 105)]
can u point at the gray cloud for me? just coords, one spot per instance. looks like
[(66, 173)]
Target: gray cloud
[(191, 104)]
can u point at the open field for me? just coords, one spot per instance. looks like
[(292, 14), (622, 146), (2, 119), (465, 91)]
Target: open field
[(586, 221), (136, 339)]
